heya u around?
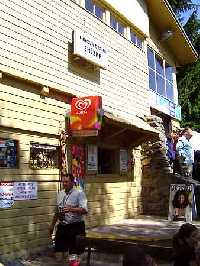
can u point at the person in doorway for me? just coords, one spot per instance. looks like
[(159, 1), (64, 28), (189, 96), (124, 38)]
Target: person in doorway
[(185, 152), (186, 245), (69, 213)]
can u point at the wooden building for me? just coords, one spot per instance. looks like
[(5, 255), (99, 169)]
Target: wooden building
[(129, 56)]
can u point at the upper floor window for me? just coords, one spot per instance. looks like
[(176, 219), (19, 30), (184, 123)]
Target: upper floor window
[(136, 40), (94, 9), (116, 25), (160, 75)]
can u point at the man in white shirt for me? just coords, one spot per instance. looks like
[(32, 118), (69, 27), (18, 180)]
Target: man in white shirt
[(69, 212)]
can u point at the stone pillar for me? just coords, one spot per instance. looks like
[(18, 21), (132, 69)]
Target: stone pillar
[(156, 173)]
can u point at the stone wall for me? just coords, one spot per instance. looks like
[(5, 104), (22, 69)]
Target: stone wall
[(156, 173)]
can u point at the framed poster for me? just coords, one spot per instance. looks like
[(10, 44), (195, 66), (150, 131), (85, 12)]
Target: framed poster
[(78, 160), (43, 156), (180, 202), (8, 153), (92, 158), (123, 160)]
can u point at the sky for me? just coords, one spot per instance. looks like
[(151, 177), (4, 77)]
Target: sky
[(187, 14)]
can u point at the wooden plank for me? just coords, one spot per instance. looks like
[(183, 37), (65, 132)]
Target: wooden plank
[(8, 121), (25, 220), (26, 237), (25, 139), (21, 96), (7, 106), (21, 229), (13, 213)]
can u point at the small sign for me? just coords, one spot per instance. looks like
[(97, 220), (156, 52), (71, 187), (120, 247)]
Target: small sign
[(180, 202), (85, 133), (90, 48), (6, 194), (25, 190), (92, 159), (123, 160)]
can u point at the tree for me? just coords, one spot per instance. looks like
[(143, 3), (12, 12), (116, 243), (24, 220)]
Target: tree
[(181, 5), (188, 80)]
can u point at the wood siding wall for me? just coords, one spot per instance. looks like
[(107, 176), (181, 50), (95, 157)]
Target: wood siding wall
[(36, 44)]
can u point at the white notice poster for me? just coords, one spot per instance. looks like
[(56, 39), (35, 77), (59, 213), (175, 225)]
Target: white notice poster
[(123, 160), (25, 190), (6, 194), (92, 161)]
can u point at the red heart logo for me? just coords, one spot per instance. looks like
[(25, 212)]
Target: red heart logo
[(82, 105)]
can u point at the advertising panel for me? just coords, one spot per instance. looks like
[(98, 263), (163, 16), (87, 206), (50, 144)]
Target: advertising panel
[(86, 113), (180, 202)]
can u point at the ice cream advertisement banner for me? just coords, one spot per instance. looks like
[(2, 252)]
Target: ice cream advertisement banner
[(86, 113), (180, 202)]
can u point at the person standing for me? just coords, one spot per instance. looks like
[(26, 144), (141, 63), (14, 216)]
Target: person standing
[(69, 213), (186, 244), (185, 152)]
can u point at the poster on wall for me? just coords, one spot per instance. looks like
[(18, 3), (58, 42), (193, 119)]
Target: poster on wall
[(180, 202), (123, 160), (78, 164), (92, 158), (43, 156), (6, 194), (8, 153), (25, 190)]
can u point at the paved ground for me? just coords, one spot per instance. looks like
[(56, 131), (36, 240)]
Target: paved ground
[(145, 229)]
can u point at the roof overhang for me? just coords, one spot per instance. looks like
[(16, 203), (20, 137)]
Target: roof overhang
[(163, 18), (129, 133)]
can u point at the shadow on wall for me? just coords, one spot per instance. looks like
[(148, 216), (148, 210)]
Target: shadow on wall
[(24, 226), (108, 202), (82, 68)]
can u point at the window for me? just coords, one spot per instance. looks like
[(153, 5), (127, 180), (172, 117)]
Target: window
[(116, 25), (136, 40), (107, 161), (8, 153), (43, 156), (103, 160), (94, 9), (160, 75)]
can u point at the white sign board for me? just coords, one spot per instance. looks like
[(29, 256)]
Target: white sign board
[(6, 194), (25, 190), (92, 160), (123, 160), (90, 48)]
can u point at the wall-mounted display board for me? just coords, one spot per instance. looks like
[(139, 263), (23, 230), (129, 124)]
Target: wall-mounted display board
[(43, 156), (8, 153)]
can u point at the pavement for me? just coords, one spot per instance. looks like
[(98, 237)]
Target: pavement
[(151, 232)]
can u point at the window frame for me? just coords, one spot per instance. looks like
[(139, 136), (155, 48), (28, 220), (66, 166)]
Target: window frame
[(118, 22), (158, 75), (95, 6), (137, 40)]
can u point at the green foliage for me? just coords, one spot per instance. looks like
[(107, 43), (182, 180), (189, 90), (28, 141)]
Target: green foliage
[(188, 77)]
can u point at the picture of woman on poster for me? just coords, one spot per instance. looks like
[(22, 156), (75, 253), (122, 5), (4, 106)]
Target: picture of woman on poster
[(181, 204)]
